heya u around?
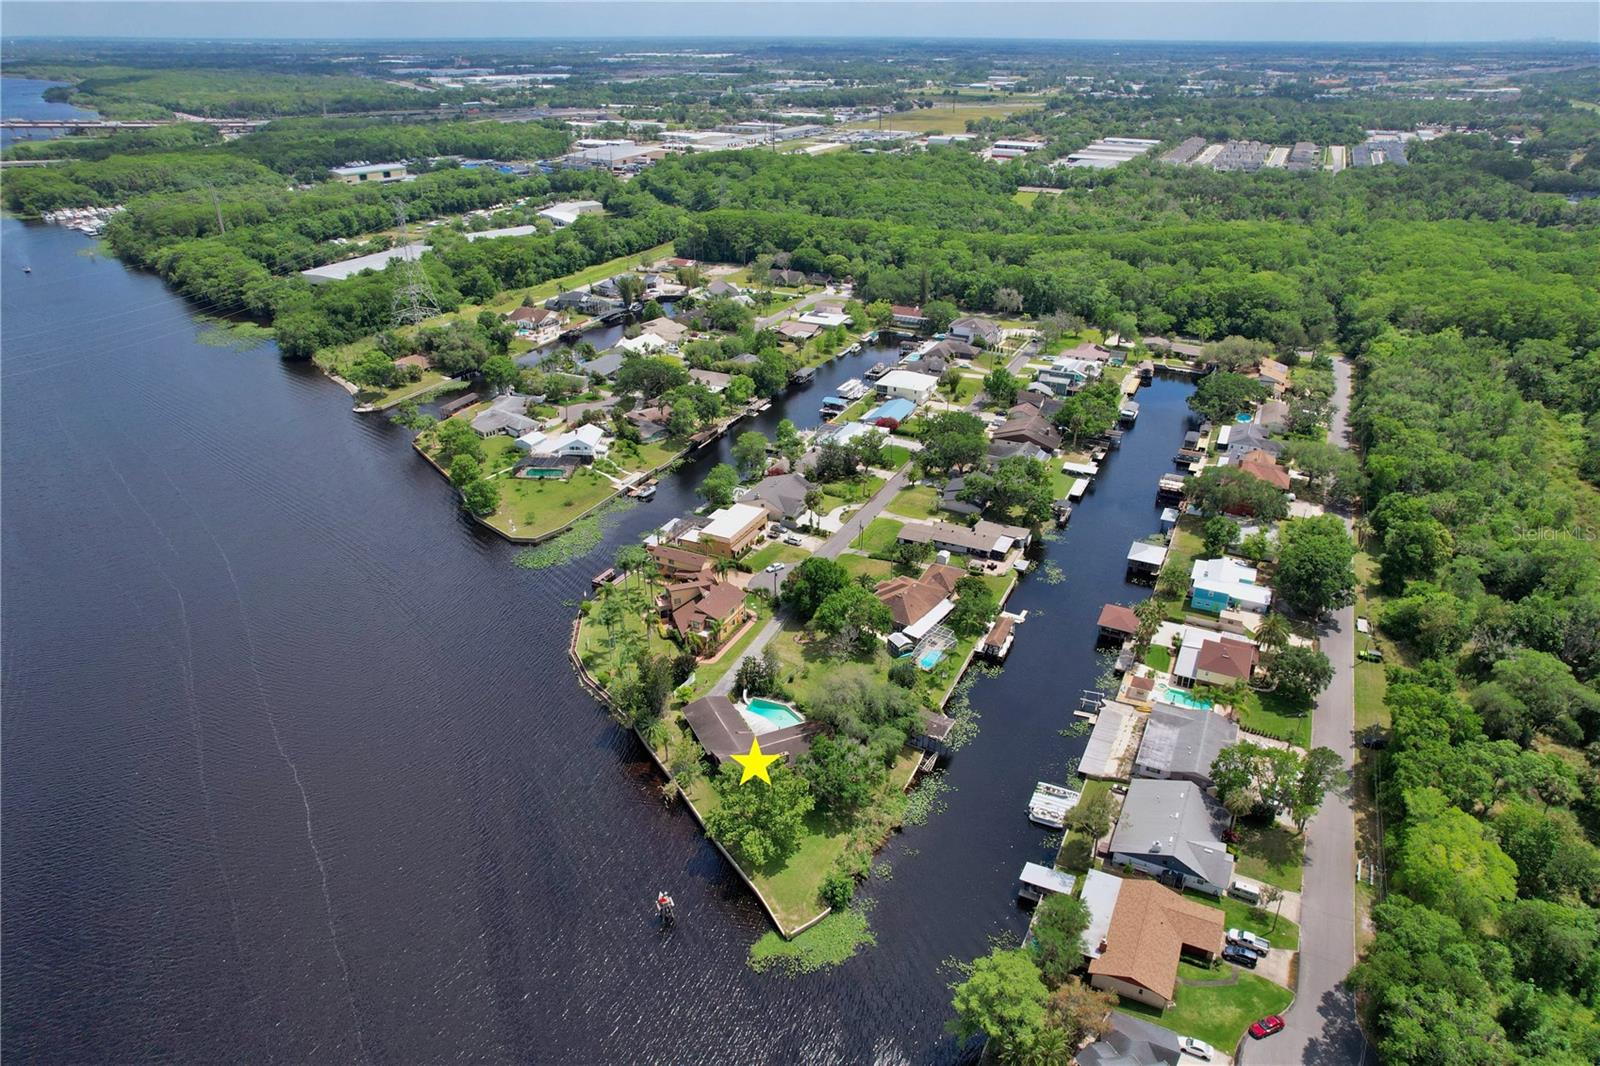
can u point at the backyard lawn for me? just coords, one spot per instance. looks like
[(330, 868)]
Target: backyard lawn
[(1219, 1015), (1280, 932), (839, 493), (383, 399), (809, 669), (1077, 850), (1158, 658), (1270, 853), (919, 501)]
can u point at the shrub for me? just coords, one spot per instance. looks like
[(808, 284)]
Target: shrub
[(904, 673), (838, 889)]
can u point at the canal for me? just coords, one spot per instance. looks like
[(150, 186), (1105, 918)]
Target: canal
[(295, 768)]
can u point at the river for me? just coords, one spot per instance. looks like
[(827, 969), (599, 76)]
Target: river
[(295, 767)]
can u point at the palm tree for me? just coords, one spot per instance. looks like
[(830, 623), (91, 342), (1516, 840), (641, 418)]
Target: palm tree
[(1149, 612), (1273, 632)]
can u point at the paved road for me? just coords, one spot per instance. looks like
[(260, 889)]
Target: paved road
[(831, 548), (773, 319), (1322, 1028)]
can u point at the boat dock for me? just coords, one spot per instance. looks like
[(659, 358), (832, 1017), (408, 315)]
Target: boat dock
[(1051, 803)]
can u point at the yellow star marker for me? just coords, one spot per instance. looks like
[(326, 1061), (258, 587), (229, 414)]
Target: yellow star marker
[(755, 764)]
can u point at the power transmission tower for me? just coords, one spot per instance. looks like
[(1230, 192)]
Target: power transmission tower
[(414, 300)]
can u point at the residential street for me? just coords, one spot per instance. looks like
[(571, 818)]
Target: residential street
[(1322, 1029), (832, 548)]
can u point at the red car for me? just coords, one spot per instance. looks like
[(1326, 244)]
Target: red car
[(1266, 1027)]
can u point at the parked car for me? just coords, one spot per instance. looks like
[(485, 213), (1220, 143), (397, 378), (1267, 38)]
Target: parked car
[(1244, 890), (1240, 956), (1266, 1027), (792, 538), (775, 567), (1198, 1048), (1245, 938)]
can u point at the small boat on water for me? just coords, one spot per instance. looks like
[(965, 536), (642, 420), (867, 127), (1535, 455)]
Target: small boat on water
[(853, 389), (1051, 803), (877, 371), (833, 406)]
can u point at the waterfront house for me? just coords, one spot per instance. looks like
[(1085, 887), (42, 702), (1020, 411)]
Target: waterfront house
[(678, 564), (1151, 928), (710, 611), (603, 366), (585, 442), (1262, 466), (907, 385), (1182, 742), (910, 600), (531, 442), (505, 416), (1066, 374), (1247, 437), (910, 319), (643, 344), (890, 413), (1030, 429), (783, 496), (798, 331), (1132, 1042), (1217, 585), (1172, 830), (1220, 660), (824, 319), (1274, 374), (723, 731), (537, 324), (980, 331), (730, 530), (714, 380), (932, 733), (985, 540), (722, 287)]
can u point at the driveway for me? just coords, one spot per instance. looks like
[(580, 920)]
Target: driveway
[(1322, 1028), (832, 548)]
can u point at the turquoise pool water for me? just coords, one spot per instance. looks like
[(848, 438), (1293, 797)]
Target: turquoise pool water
[(930, 658), (1241, 417), (778, 714), (1180, 698)]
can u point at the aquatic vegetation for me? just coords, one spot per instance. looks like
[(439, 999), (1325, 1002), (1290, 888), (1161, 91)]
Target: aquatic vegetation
[(584, 537), (827, 944)]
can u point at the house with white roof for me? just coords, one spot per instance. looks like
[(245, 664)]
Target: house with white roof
[(907, 385), (585, 442), (1217, 585), (643, 344), (730, 530)]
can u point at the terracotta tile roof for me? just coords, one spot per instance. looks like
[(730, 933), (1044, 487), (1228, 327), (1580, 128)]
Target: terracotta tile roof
[(1150, 927), (719, 602), (1262, 465), (908, 599), (1115, 616), (1228, 657)]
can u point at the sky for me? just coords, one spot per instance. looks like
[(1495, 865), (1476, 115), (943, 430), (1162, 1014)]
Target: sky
[(1121, 20)]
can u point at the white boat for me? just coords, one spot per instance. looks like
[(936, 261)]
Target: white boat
[(853, 389), (1051, 803)]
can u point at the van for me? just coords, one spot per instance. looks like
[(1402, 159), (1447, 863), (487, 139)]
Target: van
[(1247, 892)]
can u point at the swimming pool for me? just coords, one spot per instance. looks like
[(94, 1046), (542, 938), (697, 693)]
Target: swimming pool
[(765, 716), (1241, 417), (1178, 697), (930, 658)]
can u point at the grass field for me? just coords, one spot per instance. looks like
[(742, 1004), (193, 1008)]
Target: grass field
[(776, 552), (919, 501), (947, 117), (877, 569), (879, 536), (1269, 853), (1217, 1015), (1077, 850), (1271, 715)]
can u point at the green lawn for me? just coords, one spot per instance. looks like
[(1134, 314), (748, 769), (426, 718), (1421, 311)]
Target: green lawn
[(808, 669), (859, 490), (1217, 1015), (775, 552), (878, 569), (1272, 715), (600, 651), (895, 456), (383, 399), (947, 118), (1158, 658), (919, 501), (1025, 197), (1280, 932), (879, 536), (1077, 850), (1269, 853)]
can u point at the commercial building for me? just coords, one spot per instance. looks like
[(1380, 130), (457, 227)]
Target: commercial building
[(732, 529), (360, 173)]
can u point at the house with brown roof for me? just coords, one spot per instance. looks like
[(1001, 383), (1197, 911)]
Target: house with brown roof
[(536, 323), (909, 599), (665, 328), (677, 564), (1262, 466), (1151, 928), (1225, 660), (1030, 429), (908, 318), (715, 612), (724, 732), (1117, 621), (797, 331), (1274, 374)]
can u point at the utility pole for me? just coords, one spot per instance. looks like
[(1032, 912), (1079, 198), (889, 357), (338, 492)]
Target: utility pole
[(414, 300), (222, 227)]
